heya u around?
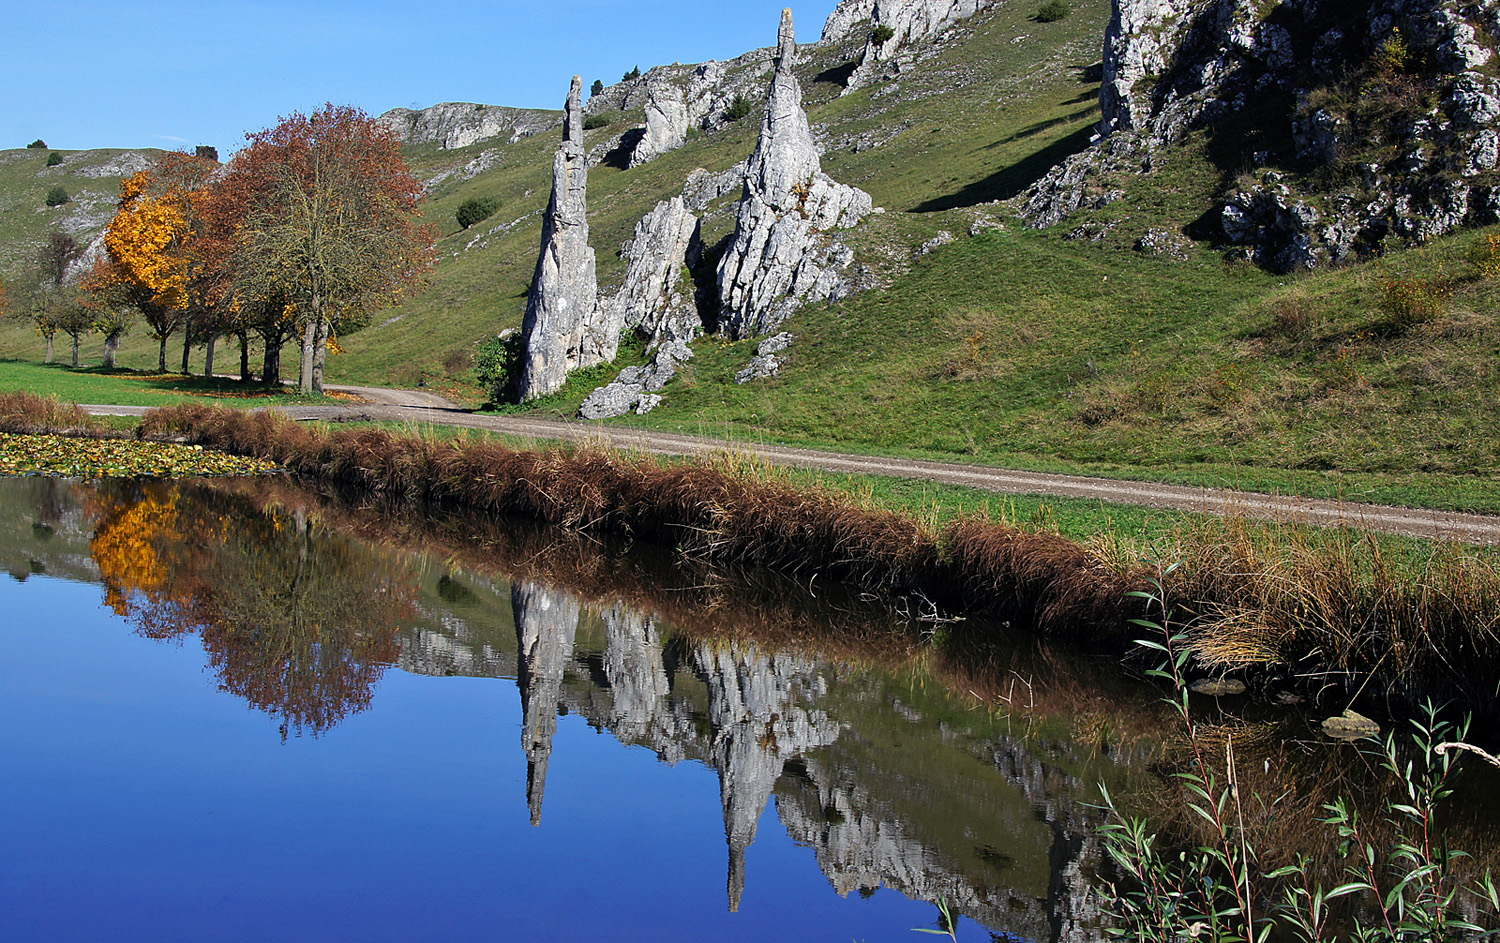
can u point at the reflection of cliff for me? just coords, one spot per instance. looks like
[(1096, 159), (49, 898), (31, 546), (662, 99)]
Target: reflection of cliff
[(881, 795), (761, 709), (546, 621)]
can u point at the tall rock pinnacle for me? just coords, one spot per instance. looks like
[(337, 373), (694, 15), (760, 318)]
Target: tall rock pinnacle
[(561, 330), (779, 257)]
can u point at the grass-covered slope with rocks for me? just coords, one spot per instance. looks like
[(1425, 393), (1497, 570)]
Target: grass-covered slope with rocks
[(1109, 343), (985, 110), (91, 180)]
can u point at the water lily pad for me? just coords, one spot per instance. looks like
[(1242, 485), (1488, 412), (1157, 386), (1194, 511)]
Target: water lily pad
[(65, 457)]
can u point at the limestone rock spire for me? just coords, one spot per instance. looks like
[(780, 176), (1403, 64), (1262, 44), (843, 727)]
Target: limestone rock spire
[(562, 330), (779, 256)]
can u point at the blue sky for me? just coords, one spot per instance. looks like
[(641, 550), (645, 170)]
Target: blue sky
[(84, 73)]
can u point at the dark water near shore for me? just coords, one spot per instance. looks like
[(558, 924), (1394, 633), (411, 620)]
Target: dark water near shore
[(242, 711)]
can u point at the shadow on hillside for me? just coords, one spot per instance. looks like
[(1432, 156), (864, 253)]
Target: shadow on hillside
[(1013, 180), (838, 75), (619, 155)]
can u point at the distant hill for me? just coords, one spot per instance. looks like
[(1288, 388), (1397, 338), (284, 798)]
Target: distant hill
[(92, 181)]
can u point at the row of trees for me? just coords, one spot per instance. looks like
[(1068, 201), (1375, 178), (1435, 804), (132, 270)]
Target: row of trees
[(308, 228)]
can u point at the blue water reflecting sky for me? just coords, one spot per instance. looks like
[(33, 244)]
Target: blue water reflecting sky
[(141, 803)]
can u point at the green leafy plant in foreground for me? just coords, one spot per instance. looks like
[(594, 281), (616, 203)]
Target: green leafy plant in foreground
[(1226, 890)]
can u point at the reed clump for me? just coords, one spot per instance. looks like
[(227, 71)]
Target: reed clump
[(23, 413), (1338, 605)]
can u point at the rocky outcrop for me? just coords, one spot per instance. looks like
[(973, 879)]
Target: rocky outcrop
[(1362, 123), (909, 21), (765, 363), (656, 297), (637, 389), (780, 255), (674, 105), (563, 329), (459, 124), (657, 300), (845, 18)]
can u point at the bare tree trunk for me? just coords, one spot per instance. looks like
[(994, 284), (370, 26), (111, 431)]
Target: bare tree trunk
[(161, 356), (208, 358), (75, 350), (187, 345), (309, 342), (320, 357), (270, 373), (244, 356), (111, 344), (51, 352)]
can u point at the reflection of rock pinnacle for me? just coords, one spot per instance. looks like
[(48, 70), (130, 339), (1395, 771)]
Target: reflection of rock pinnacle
[(546, 621), (736, 876), (536, 780)]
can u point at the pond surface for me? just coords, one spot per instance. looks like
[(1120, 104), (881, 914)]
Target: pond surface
[(245, 711)]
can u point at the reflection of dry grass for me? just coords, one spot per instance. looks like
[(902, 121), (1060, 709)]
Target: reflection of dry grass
[(1336, 612)]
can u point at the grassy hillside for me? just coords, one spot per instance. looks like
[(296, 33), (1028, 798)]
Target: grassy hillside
[(92, 181), (1109, 344), (988, 112)]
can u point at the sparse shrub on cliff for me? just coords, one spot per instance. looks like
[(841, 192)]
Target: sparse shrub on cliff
[(476, 209), (37, 145), (1052, 11), (739, 108), (57, 196), (881, 35), (54, 159), (632, 75), (596, 88), (593, 122)]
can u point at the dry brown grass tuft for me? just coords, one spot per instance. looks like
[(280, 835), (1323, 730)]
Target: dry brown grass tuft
[(25, 413)]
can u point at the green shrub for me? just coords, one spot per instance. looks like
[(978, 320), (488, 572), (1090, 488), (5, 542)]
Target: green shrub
[(1410, 300), (54, 159), (881, 35), (633, 74), (476, 209), (739, 108), (1052, 11), (57, 196), (1485, 254), (597, 87), (37, 145), (597, 121), (498, 361)]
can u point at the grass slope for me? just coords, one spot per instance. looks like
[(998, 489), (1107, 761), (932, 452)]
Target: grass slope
[(1068, 350)]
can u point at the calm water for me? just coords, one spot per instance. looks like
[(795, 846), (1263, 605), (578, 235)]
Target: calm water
[(247, 712)]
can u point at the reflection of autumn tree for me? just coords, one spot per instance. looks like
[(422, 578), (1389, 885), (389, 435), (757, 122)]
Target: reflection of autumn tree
[(299, 622)]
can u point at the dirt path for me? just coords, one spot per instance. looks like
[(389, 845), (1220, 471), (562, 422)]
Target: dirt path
[(422, 407)]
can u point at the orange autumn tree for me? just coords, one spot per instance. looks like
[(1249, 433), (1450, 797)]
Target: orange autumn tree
[(328, 220), (150, 244)]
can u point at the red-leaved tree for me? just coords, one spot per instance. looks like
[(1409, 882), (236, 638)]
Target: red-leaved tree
[(324, 212)]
